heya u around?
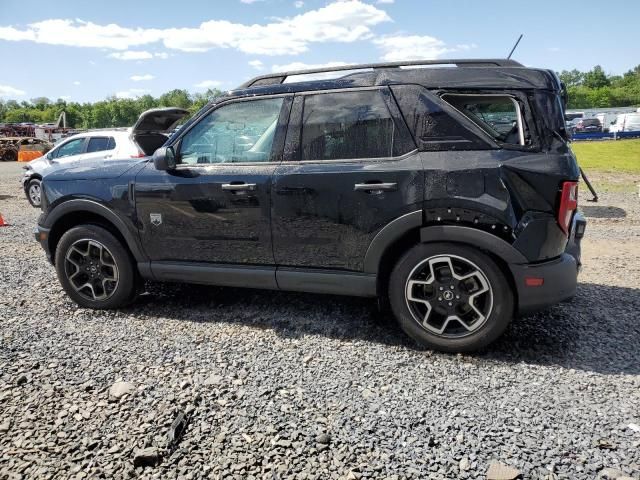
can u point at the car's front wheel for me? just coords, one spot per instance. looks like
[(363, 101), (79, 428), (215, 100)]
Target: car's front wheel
[(33, 191), (94, 268), (450, 297)]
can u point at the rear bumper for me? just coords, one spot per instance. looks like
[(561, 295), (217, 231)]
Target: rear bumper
[(541, 285), (545, 284)]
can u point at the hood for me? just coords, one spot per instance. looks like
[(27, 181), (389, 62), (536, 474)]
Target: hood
[(159, 120), (91, 169)]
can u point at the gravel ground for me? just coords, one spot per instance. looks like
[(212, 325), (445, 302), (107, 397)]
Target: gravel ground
[(280, 385)]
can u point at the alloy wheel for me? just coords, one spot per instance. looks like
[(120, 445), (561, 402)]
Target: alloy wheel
[(91, 270), (449, 296), (34, 193)]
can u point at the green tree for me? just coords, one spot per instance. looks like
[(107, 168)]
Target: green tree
[(596, 78)]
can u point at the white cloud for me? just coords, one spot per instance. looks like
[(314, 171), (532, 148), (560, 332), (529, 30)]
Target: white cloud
[(131, 55), (249, 2), (257, 64), (385, 1), (554, 49), (76, 82), (131, 93), (162, 55), (206, 84), (66, 98), (8, 91), (414, 47), (298, 4), (78, 33), (142, 78), (339, 21)]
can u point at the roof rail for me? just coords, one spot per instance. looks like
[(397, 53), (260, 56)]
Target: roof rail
[(277, 78)]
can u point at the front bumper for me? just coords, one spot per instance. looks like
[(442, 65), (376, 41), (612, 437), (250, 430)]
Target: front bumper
[(41, 235), (541, 285)]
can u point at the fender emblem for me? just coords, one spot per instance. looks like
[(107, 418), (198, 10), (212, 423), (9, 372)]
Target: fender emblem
[(156, 219)]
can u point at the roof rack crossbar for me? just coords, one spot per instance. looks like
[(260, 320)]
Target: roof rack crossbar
[(280, 77)]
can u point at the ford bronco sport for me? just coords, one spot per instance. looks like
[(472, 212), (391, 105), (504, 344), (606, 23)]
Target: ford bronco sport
[(450, 191)]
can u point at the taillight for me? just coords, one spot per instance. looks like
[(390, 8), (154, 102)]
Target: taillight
[(568, 205), (138, 155)]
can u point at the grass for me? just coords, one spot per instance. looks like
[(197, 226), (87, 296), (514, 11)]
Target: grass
[(608, 156)]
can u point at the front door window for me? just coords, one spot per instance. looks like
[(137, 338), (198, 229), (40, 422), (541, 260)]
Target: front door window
[(240, 132)]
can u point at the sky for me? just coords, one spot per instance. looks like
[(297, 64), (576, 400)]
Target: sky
[(86, 50)]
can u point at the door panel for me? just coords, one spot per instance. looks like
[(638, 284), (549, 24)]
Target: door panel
[(326, 212), (188, 215), (214, 207)]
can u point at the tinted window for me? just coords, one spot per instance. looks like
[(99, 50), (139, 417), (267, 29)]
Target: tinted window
[(347, 125), (238, 132), (98, 144), (432, 125), (72, 147)]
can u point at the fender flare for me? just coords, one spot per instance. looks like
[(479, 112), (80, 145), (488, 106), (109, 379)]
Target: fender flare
[(85, 205), (387, 236), (437, 233), (475, 238)]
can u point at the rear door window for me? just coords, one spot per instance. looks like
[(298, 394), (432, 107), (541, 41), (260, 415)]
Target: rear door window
[(348, 125), (98, 144)]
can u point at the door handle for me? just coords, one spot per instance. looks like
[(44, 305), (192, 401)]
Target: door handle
[(377, 186), (237, 187)]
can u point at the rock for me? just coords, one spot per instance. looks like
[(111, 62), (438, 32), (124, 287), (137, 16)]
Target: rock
[(634, 426), (146, 457), (5, 426), (120, 389), (464, 464), (213, 380), (499, 471), (611, 474), (22, 379), (323, 438)]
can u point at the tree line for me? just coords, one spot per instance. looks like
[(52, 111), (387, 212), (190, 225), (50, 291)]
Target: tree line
[(592, 89), (111, 112), (596, 89)]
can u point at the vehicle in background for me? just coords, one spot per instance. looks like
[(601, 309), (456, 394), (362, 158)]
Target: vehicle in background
[(606, 120), (139, 141), (588, 125), (626, 122)]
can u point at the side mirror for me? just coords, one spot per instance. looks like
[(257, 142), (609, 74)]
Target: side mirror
[(164, 158)]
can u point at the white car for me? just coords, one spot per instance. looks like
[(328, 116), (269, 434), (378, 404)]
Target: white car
[(626, 122), (141, 140)]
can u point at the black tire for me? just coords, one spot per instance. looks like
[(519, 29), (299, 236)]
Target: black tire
[(493, 309), (33, 197), (115, 263)]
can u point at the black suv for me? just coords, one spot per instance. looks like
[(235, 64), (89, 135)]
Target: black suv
[(449, 191)]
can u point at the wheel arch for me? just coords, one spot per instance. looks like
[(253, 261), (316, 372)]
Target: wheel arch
[(85, 212), (401, 234)]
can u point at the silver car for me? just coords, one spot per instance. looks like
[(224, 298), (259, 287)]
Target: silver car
[(149, 133)]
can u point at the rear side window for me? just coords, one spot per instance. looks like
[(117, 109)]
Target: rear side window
[(98, 144), (498, 115), (434, 124), (346, 125)]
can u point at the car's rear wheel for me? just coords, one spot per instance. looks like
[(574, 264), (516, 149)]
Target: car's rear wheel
[(450, 297), (94, 268), (34, 192)]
